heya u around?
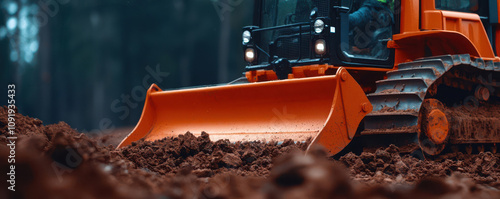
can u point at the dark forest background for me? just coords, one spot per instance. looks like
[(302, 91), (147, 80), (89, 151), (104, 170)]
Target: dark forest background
[(77, 60)]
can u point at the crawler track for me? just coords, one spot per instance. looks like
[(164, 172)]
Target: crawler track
[(451, 79)]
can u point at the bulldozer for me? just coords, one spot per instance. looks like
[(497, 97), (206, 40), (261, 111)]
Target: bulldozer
[(337, 71)]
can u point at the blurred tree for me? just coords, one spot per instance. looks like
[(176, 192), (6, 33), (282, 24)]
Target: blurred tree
[(92, 53)]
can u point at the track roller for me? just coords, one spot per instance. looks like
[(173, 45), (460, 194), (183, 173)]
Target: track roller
[(434, 127)]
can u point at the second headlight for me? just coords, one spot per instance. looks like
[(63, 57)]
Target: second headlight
[(319, 26), (320, 47), (249, 55)]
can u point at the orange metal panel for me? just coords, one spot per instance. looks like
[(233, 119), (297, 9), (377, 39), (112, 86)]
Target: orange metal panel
[(304, 71), (410, 17), (497, 40), (468, 24), (454, 39)]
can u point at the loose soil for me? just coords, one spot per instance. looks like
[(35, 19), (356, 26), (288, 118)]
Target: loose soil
[(56, 161)]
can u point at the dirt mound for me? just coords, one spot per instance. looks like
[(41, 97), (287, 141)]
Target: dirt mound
[(57, 161), (206, 158), (387, 166)]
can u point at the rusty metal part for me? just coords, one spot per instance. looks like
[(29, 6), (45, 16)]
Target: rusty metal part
[(470, 124), (326, 108), (482, 93), (434, 127)]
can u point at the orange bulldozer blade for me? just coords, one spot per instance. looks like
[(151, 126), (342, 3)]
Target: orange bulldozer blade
[(326, 108)]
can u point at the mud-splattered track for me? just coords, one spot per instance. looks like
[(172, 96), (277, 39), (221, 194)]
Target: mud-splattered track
[(56, 160)]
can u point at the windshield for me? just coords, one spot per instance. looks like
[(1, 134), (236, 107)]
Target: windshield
[(283, 12), (370, 25), (458, 5)]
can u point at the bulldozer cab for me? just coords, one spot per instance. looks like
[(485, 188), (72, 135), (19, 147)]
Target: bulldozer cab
[(306, 32)]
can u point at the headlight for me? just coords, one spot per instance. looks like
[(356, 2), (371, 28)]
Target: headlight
[(249, 55), (320, 47), (246, 37), (319, 25)]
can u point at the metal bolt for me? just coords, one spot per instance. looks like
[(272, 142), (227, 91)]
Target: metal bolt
[(365, 107), (343, 76)]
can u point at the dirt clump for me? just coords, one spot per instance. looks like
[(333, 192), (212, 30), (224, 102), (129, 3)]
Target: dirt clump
[(170, 155)]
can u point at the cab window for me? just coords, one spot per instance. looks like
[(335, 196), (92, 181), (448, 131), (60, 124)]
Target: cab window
[(370, 26), (471, 6)]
